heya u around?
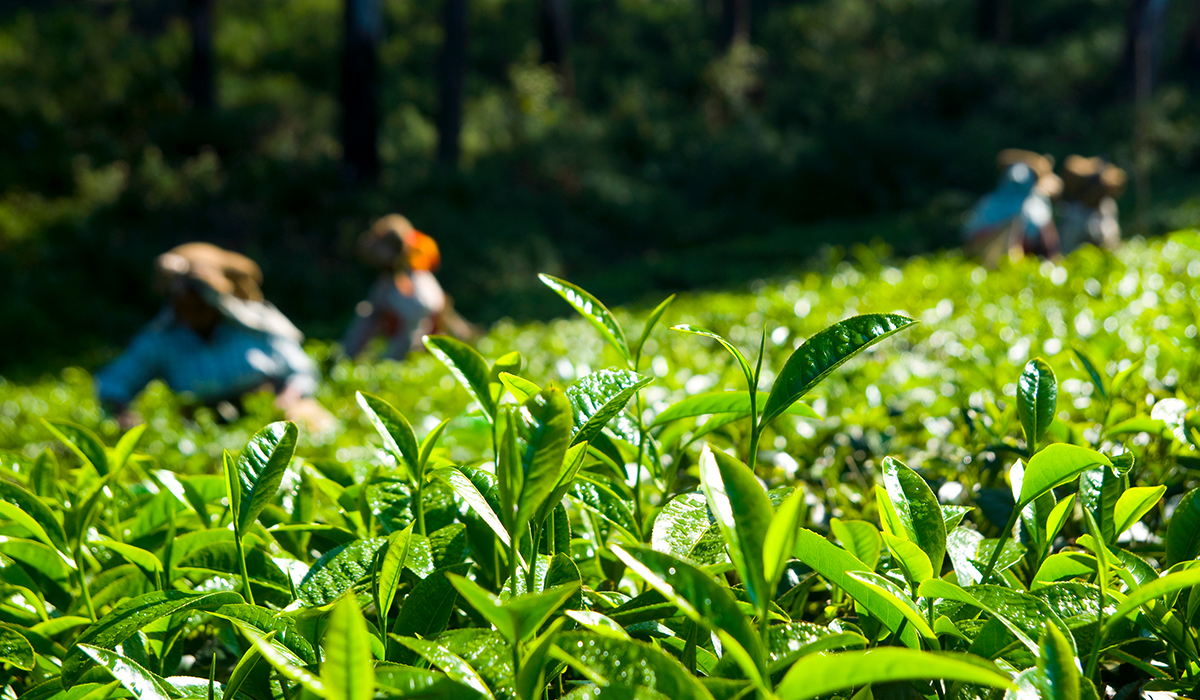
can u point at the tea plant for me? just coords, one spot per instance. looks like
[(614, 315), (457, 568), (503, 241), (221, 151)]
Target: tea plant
[(609, 536)]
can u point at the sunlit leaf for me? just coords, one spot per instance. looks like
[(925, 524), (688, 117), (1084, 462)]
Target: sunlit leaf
[(467, 366), (821, 674), (1037, 400), (398, 437), (591, 309), (347, 671), (742, 511)]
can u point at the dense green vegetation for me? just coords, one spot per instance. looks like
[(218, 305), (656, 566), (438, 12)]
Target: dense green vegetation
[(1001, 496), (672, 165)]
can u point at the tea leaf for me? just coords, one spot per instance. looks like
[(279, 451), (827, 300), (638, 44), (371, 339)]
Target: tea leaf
[(701, 600), (15, 649), (1056, 464), (398, 437), (347, 671), (742, 511), (632, 664), (733, 404), (917, 510), (132, 675), (1133, 504), (546, 432), (1037, 400), (133, 614), (260, 469), (781, 536), (599, 397), (747, 371), (591, 309), (449, 663), (825, 352), (1183, 530), (860, 538), (821, 674), (81, 441), (467, 366), (651, 321), (1056, 665)]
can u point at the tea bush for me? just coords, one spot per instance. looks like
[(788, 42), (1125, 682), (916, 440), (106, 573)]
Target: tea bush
[(793, 492)]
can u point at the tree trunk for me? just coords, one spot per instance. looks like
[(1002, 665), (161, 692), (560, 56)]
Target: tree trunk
[(200, 74), (1189, 51), (735, 23), (1142, 56), (554, 31), (360, 90), (995, 20), (451, 72)]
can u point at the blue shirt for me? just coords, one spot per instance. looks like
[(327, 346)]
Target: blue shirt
[(233, 360)]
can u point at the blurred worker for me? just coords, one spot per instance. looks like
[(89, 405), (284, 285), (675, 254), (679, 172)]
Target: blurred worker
[(406, 302), (1016, 217), (1088, 210), (214, 341)]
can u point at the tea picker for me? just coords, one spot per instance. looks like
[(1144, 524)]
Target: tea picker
[(214, 341), (1015, 218), (1088, 210), (406, 302)]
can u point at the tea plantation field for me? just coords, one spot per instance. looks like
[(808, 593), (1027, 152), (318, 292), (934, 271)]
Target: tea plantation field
[(950, 482)]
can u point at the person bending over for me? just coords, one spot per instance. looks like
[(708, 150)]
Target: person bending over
[(215, 340), (406, 302)]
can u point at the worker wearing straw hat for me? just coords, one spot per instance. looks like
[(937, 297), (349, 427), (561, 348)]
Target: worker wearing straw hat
[(1088, 210), (405, 302), (1016, 217), (215, 340)]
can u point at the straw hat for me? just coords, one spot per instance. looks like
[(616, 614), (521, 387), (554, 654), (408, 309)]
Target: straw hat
[(220, 270), (393, 243), (1089, 180)]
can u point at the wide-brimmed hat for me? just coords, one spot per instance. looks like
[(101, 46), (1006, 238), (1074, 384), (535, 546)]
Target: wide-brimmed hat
[(1042, 166), (204, 264), (1089, 180), (392, 243)]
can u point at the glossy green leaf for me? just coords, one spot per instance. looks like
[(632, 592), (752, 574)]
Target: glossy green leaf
[(130, 674), (391, 566), (781, 536), (520, 617), (283, 661), (531, 681), (598, 623), (702, 600), (912, 558), (546, 434), (33, 507), (82, 442), (742, 511), (836, 565), (599, 397), (1098, 492), (519, 387), (952, 515), (743, 363), (266, 622), (135, 555), (735, 404), (15, 649), (398, 437), (429, 442), (120, 454), (825, 352), (1135, 503), (14, 514), (1062, 566), (466, 489), (1058, 516), (631, 663), (1056, 464), (591, 309), (347, 670), (1183, 530), (917, 509), (338, 570), (260, 469), (467, 366), (1037, 400), (651, 321), (133, 614), (685, 528), (1056, 665), (447, 662), (882, 592), (591, 493), (822, 674), (1166, 585), (860, 538), (398, 680)]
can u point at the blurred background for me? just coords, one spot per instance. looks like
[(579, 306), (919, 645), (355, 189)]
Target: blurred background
[(631, 146)]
